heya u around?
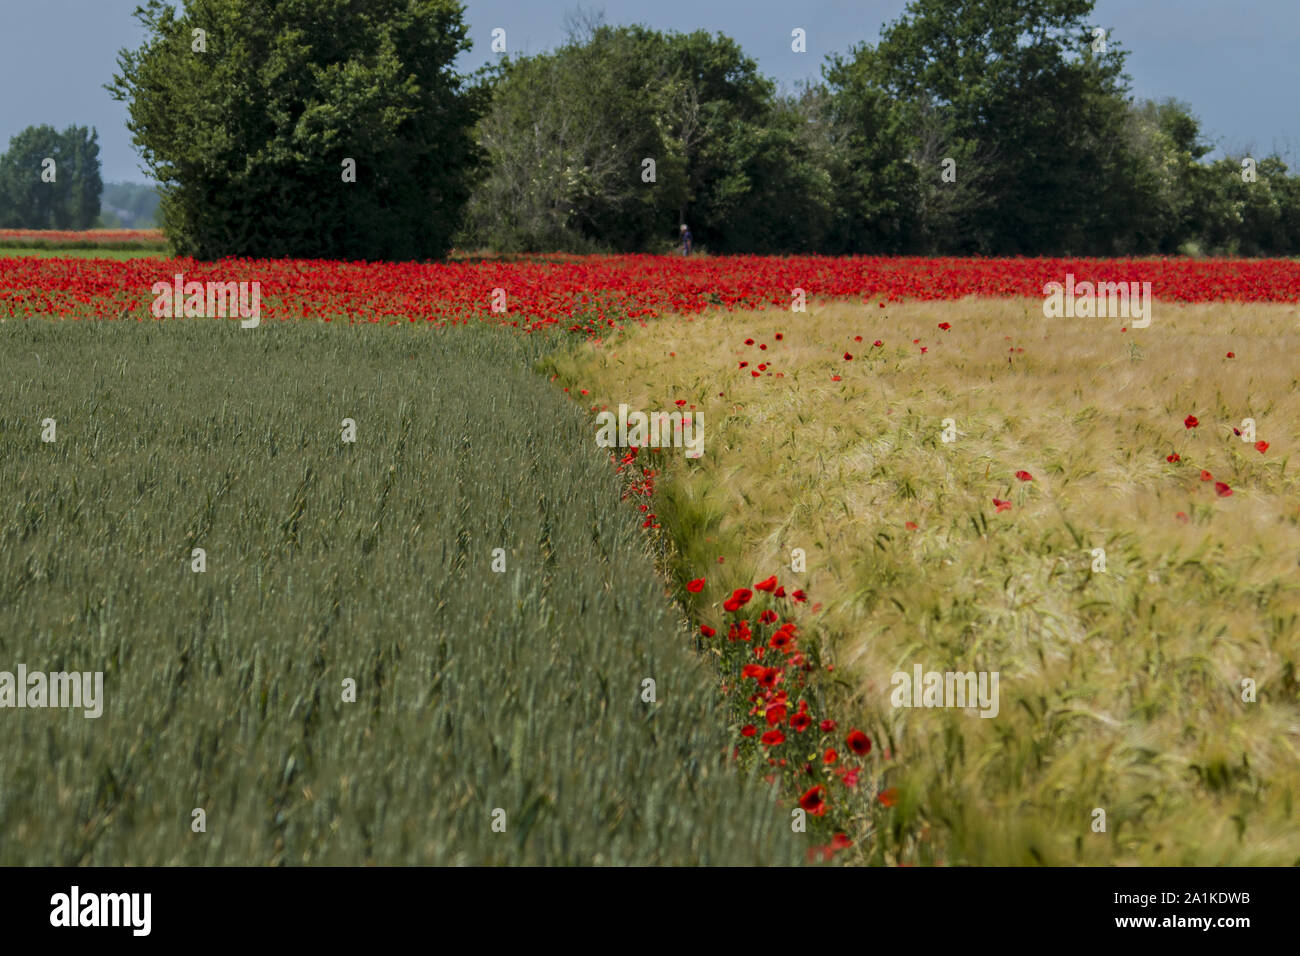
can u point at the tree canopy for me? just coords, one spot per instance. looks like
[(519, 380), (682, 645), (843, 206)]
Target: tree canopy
[(252, 113), (50, 180)]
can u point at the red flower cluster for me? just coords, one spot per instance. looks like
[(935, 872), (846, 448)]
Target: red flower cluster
[(778, 669), (589, 294)]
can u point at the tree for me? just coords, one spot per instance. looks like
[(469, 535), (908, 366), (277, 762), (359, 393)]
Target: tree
[(868, 148), (566, 136), (621, 134), (65, 197), (247, 111), (1016, 93)]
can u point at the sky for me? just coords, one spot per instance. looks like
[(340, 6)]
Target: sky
[(1234, 61)]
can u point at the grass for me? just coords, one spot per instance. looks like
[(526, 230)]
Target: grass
[(57, 251), (329, 562), (1120, 691)]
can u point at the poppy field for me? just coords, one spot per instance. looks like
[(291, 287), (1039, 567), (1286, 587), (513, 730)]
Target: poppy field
[(139, 240), (593, 294), (916, 471)]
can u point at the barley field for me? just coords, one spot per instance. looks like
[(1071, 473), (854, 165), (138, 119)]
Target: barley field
[(1157, 685)]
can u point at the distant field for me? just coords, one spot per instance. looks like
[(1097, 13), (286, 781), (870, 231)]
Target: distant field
[(327, 562), (1121, 690), (82, 252), (29, 239)]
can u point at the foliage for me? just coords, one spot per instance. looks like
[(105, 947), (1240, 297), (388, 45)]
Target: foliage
[(71, 201), (248, 136)]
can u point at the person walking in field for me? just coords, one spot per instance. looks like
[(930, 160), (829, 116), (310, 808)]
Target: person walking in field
[(686, 240)]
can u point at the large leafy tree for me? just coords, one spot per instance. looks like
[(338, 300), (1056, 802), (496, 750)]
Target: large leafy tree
[(1016, 93), (71, 201), (247, 125)]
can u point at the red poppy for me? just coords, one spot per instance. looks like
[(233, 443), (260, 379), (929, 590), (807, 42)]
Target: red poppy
[(888, 797), (945, 326), (827, 726), (773, 738), (836, 378), (768, 584), (707, 631), (763, 347), (848, 356), (762, 367), (767, 617), (800, 722), (878, 343), (1024, 476), (1174, 456), (910, 526), (1222, 490), (779, 592), (859, 742), (742, 595), (830, 756), (814, 801), (1002, 505), (749, 341), (1182, 517), (776, 713), (748, 730), (1190, 421), (841, 841), (799, 596), (1261, 446), (857, 338), (1232, 355), (680, 402), (696, 586), (744, 365), (780, 336), (1206, 476)]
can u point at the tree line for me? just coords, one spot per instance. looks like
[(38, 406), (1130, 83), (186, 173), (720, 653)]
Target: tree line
[(332, 129), (994, 129)]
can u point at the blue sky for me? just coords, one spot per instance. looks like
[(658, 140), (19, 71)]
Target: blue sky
[(1234, 62)]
